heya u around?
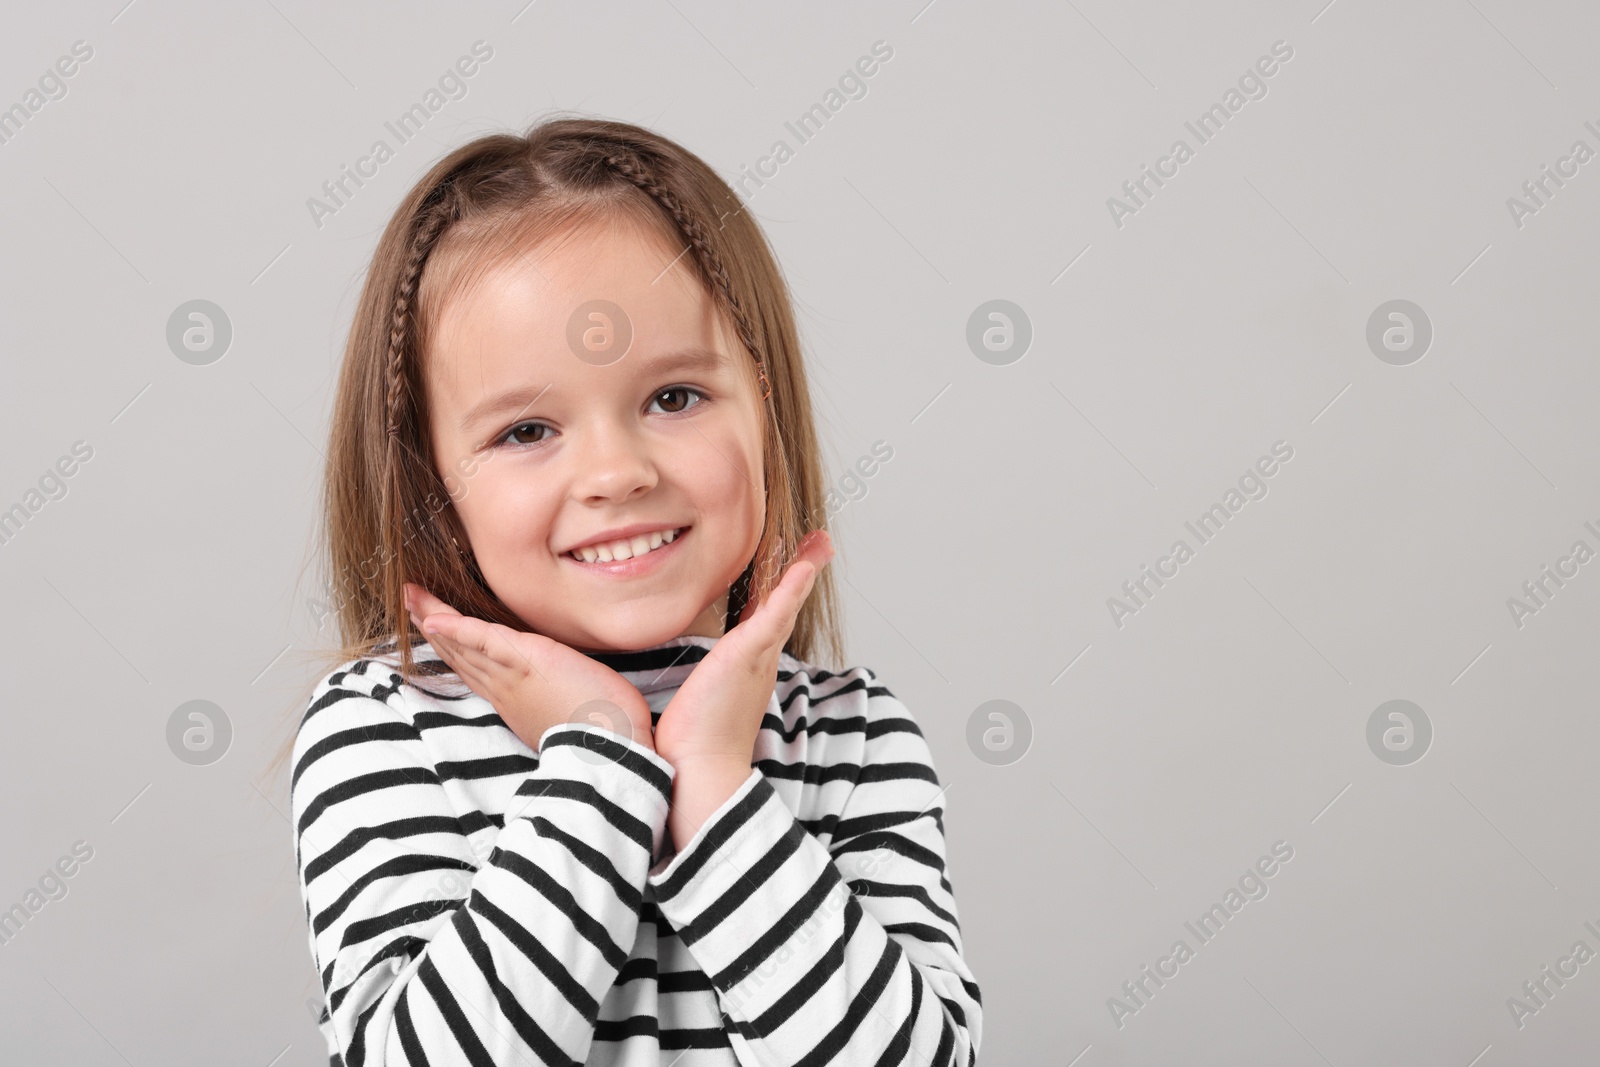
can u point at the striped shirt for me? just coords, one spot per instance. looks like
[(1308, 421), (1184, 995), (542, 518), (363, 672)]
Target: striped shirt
[(473, 901)]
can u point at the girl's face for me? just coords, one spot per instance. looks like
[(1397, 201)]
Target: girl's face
[(547, 446)]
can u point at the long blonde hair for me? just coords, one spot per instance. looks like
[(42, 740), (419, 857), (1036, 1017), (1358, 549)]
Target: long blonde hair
[(388, 515)]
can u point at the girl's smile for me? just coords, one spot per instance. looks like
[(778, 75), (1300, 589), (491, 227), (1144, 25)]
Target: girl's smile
[(650, 466), (614, 557)]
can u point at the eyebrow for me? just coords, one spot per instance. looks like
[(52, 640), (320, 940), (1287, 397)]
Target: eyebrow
[(523, 397)]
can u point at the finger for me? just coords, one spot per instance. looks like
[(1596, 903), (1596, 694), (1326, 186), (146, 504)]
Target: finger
[(815, 547), (457, 631), (752, 609), (491, 648), (481, 653), (464, 668), (771, 623), (423, 603), (447, 651), (489, 641)]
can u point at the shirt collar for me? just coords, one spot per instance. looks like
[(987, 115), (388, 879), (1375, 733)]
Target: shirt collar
[(660, 667)]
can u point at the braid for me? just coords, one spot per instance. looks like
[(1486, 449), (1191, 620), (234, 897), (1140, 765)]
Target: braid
[(630, 169), (428, 230), (437, 211)]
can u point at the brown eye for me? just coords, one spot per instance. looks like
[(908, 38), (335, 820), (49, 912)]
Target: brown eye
[(520, 433), (673, 408)]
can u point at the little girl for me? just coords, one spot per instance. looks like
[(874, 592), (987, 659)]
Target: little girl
[(603, 809)]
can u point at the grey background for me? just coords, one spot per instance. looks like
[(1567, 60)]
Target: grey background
[(1168, 354)]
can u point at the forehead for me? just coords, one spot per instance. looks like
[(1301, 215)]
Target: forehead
[(607, 274), (536, 315)]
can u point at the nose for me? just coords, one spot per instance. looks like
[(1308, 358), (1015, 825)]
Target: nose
[(612, 465)]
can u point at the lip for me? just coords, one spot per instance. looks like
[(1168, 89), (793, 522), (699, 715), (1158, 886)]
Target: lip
[(622, 533), (638, 565)]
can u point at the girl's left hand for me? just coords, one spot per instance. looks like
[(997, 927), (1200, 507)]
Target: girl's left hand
[(715, 715)]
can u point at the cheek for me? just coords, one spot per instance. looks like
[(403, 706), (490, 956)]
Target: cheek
[(504, 514), (728, 481)]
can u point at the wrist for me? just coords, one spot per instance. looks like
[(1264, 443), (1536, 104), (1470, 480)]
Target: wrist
[(701, 784), (628, 722), (718, 764)]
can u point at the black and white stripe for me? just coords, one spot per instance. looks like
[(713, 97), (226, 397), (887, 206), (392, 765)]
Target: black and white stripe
[(472, 901)]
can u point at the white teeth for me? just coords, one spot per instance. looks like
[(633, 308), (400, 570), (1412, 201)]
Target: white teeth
[(621, 550)]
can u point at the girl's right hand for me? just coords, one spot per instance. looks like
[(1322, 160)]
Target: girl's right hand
[(532, 681)]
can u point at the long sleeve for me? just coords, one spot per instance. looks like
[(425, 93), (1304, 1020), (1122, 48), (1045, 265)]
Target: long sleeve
[(846, 953), (429, 954)]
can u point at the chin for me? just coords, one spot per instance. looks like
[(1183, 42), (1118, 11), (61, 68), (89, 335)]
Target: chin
[(621, 633)]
